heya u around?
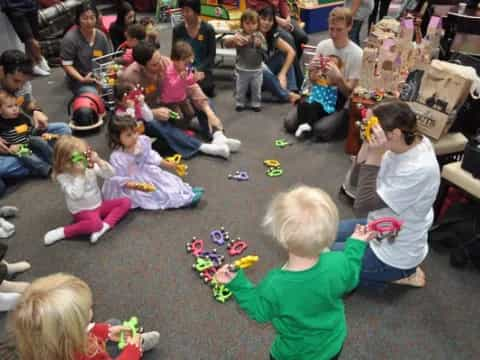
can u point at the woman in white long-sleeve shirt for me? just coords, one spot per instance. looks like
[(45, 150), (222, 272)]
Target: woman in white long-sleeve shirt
[(76, 168)]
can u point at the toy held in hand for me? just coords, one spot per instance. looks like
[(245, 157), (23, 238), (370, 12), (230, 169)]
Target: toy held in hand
[(146, 187), (132, 324), (84, 158), (243, 263), (180, 168), (385, 228), (50, 136), (366, 127), (23, 150), (135, 95)]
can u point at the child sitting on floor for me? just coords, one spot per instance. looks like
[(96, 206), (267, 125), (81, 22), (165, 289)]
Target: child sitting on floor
[(135, 162), (179, 75), (319, 97), (134, 34), (303, 298), (16, 130), (52, 321), (76, 168)]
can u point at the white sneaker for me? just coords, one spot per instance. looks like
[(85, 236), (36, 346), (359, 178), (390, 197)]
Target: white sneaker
[(44, 65), (37, 70)]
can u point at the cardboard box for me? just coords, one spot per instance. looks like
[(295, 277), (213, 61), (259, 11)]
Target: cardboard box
[(431, 122)]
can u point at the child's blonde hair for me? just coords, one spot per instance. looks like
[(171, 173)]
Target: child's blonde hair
[(65, 146), (304, 220), (51, 318), (341, 14), (249, 15)]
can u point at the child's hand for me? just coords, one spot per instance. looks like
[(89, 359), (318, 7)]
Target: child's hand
[(198, 75), (141, 99), (362, 233), (115, 331), (95, 158), (224, 275), (257, 42), (169, 165), (135, 340)]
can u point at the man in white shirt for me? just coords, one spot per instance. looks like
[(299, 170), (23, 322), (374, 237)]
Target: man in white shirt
[(340, 23)]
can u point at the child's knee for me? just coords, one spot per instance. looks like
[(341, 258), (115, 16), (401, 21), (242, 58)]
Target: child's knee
[(125, 203), (95, 225)]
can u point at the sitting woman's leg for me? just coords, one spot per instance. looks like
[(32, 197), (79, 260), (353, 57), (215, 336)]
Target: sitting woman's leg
[(345, 229)]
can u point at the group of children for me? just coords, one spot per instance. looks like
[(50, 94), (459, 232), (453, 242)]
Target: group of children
[(51, 317)]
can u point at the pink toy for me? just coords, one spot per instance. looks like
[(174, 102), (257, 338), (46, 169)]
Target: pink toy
[(236, 247), (387, 227), (196, 246)]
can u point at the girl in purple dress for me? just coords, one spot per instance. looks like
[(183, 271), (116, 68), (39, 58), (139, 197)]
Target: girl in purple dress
[(138, 173)]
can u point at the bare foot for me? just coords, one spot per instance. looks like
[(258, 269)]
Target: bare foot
[(417, 279), (293, 97)]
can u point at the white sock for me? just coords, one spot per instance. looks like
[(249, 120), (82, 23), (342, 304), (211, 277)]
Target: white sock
[(17, 267), (9, 227), (302, 128), (4, 234), (54, 235), (96, 235), (13, 286), (218, 149), (233, 144), (8, 301), (44, 64)]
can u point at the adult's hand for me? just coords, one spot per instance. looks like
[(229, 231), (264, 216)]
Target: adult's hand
[(40, 120), (161, 113), (285, 23), (4, 147), (89, 79), (333, 73), (282, 79)]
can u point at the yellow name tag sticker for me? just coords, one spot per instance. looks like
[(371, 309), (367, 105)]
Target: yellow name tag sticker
[(20, 129), (200, 37), (97, 53), (20, 100), (150, 89)]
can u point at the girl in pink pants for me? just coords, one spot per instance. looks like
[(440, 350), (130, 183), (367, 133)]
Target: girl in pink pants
[(76, 168)]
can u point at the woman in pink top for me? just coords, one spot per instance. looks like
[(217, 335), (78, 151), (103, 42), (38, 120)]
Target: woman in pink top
[(179, 75)]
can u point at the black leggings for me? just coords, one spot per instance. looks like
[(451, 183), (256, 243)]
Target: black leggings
[(310, 113)]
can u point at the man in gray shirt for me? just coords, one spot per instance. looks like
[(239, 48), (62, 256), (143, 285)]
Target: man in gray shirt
[(340, 24)]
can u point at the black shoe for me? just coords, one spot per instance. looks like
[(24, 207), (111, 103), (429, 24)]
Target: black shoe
[(239, 108), (256, 108)]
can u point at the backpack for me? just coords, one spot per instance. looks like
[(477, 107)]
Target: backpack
[(459, 232)]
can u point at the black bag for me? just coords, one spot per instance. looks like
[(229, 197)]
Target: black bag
[(459, 232), (471, 156)]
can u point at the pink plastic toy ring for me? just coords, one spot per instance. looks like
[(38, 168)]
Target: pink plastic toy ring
[(237, 247), (195, 246), (385, 227)]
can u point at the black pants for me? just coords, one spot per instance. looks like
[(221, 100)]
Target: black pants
[(295, 38), (24, 23), (3, 267), (380, 7), (207, 84), (336, 357), (310, 113)]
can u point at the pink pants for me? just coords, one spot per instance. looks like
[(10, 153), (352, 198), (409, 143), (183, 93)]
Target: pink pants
[(90, 221)]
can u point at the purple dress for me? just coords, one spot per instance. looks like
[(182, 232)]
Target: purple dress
[(171, 191)]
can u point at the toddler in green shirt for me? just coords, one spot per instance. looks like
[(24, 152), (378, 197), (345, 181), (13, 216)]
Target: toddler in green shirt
[(303, 298)]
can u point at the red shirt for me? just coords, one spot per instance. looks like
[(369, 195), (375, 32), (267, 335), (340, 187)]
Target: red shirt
[(280, 5), (99, 333)]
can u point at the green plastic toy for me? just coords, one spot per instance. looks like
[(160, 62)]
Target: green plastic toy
[(281, 143), (132, 324), (220, 292), (23, 150), (202, 264), (78, 157), (274, 172), (174, 115)]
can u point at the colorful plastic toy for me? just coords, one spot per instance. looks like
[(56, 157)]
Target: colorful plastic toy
[(217, 259), (274, 172), (50, 136), (217, 236), (386, 227), (196, 246), (366, 128), (23, 150), (180, 168), (220, 292), (202, 264), (145, 187), (272, 163), (281, 143), (132, 324), (173, 115), (243, 263), (236, 247), (134, 94), (208, 274), (239, 176)]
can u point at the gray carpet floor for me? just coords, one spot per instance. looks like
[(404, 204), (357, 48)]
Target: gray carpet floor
[(141, 267)]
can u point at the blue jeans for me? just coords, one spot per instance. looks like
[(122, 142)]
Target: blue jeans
[(176, 139), (375, 273), (271, 68), (78, 88), (39, 162), (11, 166)]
